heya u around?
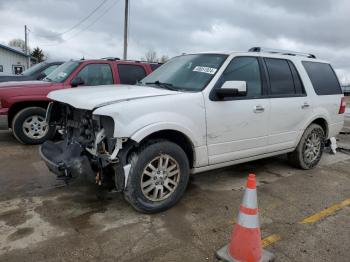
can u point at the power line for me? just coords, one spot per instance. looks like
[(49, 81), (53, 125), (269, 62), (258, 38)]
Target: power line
[(86, 27), (94, 21), (81, 21)]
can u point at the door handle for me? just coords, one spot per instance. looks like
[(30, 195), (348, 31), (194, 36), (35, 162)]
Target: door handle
[(305, 105), (259, 109)]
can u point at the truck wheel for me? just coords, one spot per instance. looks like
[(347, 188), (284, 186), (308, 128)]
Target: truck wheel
[(29, 127), (310, 148), (158, 176)]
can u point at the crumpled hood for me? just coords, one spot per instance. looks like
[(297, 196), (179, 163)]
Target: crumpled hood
[(93, 97)]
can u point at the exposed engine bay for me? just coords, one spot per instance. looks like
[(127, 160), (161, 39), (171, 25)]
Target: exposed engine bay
[(88, 147)]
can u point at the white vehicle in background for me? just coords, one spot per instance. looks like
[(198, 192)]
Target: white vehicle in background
[(197, 112)]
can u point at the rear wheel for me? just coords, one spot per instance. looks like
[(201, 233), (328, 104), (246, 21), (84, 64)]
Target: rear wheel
[(29, 126), (310, 148), (158, 176)]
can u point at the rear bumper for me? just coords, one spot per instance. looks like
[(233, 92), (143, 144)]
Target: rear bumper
[(65, 161)]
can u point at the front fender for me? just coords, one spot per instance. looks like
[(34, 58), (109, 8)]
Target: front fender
[(140, 134)]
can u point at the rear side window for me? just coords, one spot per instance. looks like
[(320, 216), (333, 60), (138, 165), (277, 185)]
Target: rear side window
[(323, 78), (155, 66), (130, 74), (281, 79)]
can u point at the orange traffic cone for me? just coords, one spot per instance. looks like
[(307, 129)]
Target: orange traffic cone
[(245, 244)]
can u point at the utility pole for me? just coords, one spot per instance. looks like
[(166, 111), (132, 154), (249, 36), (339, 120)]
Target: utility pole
[(26, 44), (126, 17)]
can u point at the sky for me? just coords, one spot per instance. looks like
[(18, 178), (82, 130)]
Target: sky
[(63, 30)]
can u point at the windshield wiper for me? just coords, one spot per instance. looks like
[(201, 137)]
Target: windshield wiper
[(48, 79), (163, 85)]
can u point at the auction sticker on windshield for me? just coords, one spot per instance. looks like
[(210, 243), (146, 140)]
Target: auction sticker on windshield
[(205, 69)]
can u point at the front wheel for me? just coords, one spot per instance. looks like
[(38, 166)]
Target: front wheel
[(29, 126), (158, 176), (310, 148)]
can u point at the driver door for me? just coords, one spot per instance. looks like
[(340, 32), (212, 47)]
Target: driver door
[(237, 127)]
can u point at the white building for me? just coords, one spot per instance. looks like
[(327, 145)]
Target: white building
[(12, 61)]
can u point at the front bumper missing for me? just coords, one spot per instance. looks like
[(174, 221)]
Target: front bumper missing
[(66, 161)]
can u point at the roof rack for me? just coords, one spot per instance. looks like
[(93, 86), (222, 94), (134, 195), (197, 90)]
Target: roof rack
[(111, 58), (279, 51)]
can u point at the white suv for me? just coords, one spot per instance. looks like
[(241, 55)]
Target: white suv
[(195, 113)]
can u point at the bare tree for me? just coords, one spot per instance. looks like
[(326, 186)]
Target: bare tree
[(163, 58), (151, 56), (19, 43)]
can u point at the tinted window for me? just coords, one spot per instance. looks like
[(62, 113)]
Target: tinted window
[(130, 74), (244, 69), (323, 78), (96, 74), (298, 85), (155, 66), (281, 79)]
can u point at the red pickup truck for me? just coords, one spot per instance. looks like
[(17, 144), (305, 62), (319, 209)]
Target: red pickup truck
[(25, 103)]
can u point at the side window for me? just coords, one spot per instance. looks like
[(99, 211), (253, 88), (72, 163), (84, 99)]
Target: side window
[(1, 68), (155, 66), (244, 69), (48, 70), (323, 78), (96, 74), (281, 79), (298, 85), (130, 74)]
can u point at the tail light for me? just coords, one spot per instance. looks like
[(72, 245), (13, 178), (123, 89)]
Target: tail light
[(342, 106)]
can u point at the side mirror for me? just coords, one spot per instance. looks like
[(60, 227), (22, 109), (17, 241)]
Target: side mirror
[(77, 81), (232, 89)]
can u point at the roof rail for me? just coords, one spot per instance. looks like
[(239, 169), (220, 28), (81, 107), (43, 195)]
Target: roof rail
[(111, 58), (279, 51)]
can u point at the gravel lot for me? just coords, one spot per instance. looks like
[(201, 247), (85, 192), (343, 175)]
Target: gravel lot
[(43, 220)]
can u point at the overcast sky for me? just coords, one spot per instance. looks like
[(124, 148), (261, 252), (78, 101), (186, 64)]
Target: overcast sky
[(171, 27)]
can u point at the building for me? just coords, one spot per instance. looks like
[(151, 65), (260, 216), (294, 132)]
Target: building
[(12, 60)]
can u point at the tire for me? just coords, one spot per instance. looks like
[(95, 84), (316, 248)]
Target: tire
[(27, 126), (303, 157), (150, 153)]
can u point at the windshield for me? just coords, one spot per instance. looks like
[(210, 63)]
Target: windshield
[(32, 70), (186, 73), (62, 72)]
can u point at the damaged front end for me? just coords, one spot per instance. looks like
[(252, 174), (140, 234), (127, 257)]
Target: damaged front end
[(88, 148)]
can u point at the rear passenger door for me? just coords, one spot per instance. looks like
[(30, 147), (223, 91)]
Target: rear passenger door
[(290, 106), (130, 74)]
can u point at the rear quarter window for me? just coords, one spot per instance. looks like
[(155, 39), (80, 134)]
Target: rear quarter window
[(155, 66), (323, 78)]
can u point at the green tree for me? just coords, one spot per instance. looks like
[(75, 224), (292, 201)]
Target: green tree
[(38, 54)]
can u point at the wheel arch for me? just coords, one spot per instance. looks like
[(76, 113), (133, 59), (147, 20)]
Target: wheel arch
[(321, 121), (174, 136), (15, 108)]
